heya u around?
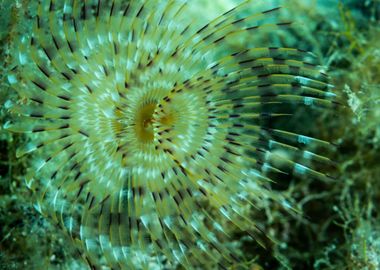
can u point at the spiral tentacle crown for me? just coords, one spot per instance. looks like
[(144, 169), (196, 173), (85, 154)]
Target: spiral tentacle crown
[(147, 127)]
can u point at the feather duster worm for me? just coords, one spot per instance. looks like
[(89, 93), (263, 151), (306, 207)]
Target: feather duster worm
[(139, 117)]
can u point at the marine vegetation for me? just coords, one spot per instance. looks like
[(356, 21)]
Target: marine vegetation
[(149, 131)]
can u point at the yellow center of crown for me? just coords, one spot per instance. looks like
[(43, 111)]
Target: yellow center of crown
[(144, 120)]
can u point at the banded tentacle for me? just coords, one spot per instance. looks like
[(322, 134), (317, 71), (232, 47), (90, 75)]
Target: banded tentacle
[(141, 120)]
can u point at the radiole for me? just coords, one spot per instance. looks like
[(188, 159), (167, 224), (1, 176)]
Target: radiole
[(139, 115)]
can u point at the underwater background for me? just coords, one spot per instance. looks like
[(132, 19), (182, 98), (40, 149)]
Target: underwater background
[(336, 224)]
